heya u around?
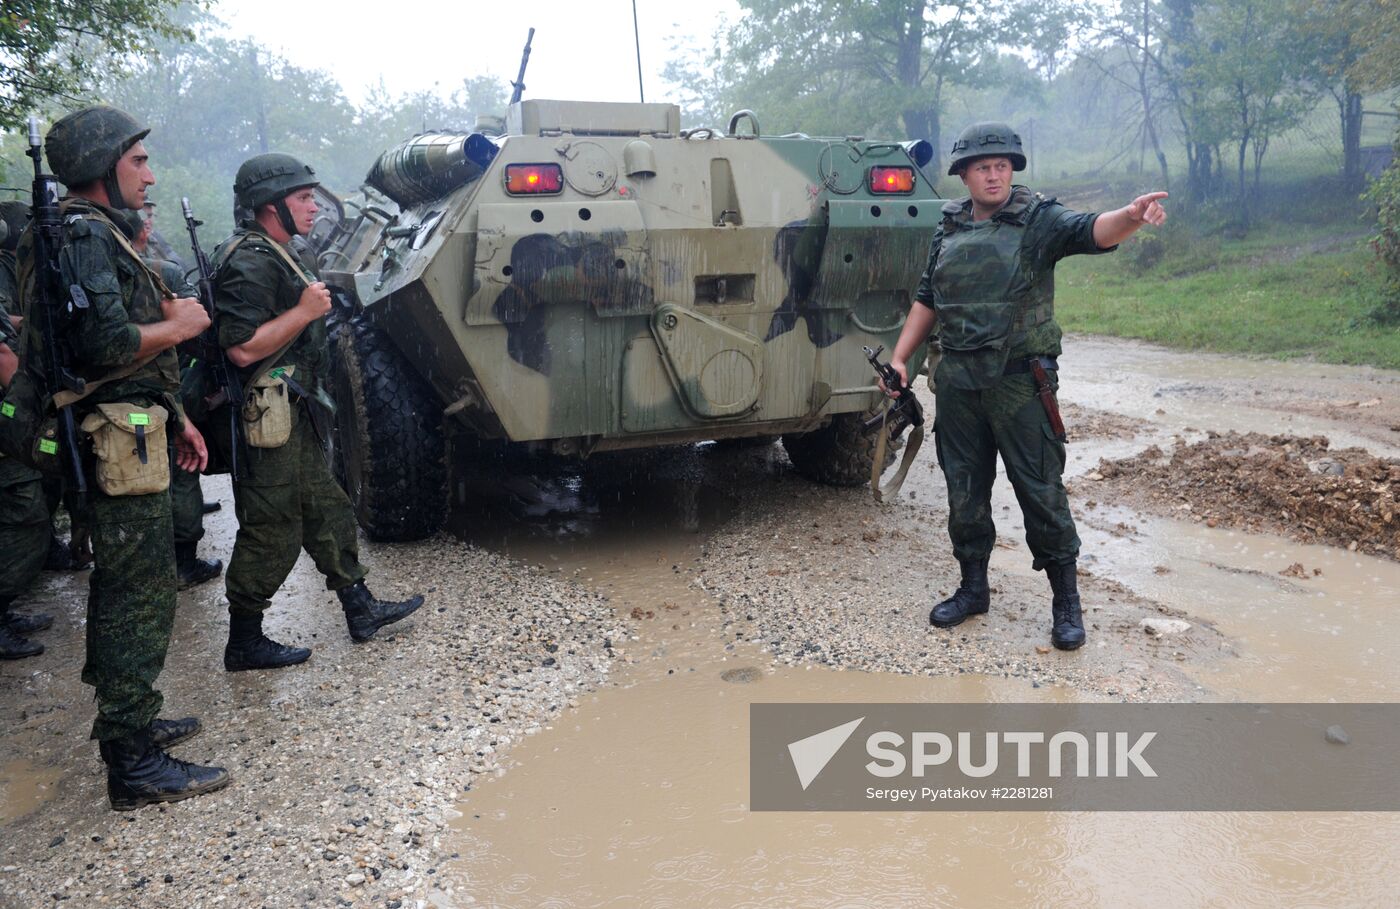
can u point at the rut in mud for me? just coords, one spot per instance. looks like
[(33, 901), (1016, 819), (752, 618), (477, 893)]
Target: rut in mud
[(1293, 486)]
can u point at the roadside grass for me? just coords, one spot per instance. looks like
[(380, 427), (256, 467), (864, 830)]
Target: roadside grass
[(1286, 291)]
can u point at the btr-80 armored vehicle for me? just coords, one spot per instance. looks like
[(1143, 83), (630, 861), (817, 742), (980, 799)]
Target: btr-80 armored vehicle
[(596, 278)]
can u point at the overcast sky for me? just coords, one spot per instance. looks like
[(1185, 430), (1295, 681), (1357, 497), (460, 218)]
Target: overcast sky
[(583, 49)]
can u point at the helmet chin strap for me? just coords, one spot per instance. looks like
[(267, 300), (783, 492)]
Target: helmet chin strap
[(115, 199), (284, 217)]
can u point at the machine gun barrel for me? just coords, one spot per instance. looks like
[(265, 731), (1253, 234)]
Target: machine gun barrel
[(56, 310), (519, 82)]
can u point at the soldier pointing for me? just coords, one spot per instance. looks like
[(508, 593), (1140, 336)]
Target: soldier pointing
[(989, 293)]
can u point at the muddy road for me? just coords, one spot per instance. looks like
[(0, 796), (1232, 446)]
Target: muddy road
[(565, 723)]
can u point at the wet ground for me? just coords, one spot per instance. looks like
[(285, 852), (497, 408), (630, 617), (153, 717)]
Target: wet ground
[(523, 760)]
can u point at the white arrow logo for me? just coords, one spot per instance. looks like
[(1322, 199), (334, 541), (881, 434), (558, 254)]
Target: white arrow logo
[(811, 755)]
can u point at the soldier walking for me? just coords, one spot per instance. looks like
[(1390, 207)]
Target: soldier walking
[(271, 308), (989, 289), (123, 346)]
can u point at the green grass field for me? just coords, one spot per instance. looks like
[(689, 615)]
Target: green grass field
[(1284, 291)]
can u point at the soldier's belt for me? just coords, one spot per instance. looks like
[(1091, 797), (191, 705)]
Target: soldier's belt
[(1020, 367)]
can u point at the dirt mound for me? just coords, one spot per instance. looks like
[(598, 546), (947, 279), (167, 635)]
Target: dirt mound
[(1296, 487), (1088, 423)]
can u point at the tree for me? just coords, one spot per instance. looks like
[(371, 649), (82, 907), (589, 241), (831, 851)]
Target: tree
[(53, 49), (836, 66)]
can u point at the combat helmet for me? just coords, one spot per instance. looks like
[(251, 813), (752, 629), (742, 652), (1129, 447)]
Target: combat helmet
[(268, 180), (14, 215), (87, 144), (985, 140)]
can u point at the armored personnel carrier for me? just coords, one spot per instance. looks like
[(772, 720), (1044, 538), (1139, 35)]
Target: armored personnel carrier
[(594, 278)]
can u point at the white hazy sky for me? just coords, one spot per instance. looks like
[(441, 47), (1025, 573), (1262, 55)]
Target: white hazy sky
[(583, 49)]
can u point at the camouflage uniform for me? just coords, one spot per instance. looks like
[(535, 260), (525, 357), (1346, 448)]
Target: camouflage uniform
[(287, 501), (131, 592), (24, 513), (992, 286)]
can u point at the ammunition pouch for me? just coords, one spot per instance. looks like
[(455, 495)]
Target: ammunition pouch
[(267, 410), (130, 444), (28, 427)]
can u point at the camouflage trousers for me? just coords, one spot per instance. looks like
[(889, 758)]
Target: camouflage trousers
[(131, 608), (288, 501), (24, 529), (971, 428), (186, 505)]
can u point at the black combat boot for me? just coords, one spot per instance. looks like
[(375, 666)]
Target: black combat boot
[(364, 615), (165, 733), (139, 773), (14, 646), (1067, 633), (23, 624), (249, 648), (193, 570), (973, 596)]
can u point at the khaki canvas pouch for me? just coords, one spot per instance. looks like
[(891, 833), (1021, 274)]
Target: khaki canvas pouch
[(267, 413), (129, 441)]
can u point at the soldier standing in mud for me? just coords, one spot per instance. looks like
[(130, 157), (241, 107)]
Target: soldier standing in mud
[(271, 309), (187, 504), (24, 514), (124, 346), (989, 290)]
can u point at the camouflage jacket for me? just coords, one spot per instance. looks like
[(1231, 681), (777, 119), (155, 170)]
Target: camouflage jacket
[(1000, 275), (121, 294), (9, 288), (253, 285)]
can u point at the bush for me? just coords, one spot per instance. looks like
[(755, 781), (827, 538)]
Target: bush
[(1384, 195), (1175, 250)]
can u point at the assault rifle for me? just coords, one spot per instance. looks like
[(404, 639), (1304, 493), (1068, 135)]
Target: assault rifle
[(225, 377), (56, 308), (905, 411)]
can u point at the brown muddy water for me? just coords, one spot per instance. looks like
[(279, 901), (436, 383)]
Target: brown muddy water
[(639, 796)]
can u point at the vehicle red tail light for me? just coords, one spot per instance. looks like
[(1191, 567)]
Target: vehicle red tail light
[(892, 180), (534, 179)]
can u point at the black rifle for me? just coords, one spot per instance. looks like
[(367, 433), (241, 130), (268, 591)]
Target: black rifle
[(519, 82), (905, 411), (229, 390), (57, 308)]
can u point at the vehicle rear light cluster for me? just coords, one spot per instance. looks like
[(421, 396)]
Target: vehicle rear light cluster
[(534, 179), (892, 180)]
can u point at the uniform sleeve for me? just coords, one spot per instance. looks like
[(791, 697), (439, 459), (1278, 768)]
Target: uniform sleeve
[(1062, 232), (8, 336), (924, 294), (245, 294), (105, 334)]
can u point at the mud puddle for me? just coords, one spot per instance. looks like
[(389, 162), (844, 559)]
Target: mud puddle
[(639, 796), (24, 786)]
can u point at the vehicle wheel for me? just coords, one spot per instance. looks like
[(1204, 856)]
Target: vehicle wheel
[(838, 454), (389, 450)]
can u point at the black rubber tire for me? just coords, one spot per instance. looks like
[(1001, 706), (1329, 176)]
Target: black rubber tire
[(838, 454), (389, 450)]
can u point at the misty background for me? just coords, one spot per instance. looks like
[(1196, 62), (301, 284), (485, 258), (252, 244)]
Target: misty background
[(1249, 112)]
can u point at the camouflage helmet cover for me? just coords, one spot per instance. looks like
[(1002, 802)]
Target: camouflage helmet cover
[(986, 140), (85, 145), (265, 179)]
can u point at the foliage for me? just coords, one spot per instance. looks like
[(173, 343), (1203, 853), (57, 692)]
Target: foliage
[(879, 66), (1384, 195), (52, 49)]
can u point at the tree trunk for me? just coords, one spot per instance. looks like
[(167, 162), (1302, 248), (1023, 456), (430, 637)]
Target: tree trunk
[(1244, 195), (1350, 105), (1146, 92)]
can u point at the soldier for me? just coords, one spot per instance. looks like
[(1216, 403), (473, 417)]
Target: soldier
[(989, 288), (272, 309), (98, 153), (186, 498), (24, 513)]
